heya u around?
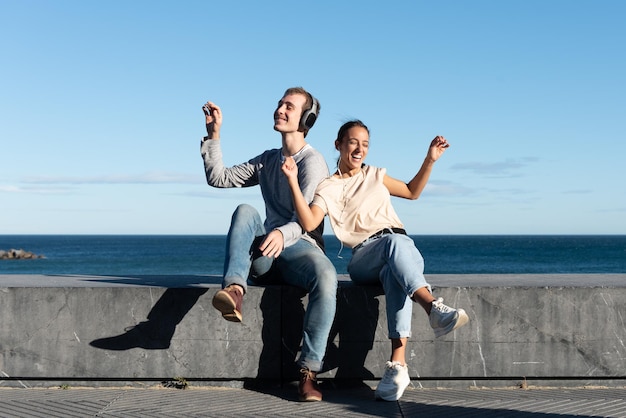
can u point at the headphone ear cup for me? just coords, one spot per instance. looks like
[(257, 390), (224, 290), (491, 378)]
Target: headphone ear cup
[(308, 120), (309, 116)]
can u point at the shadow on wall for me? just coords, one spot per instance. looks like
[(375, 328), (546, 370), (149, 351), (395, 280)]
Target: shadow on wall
[(354, 329), (155, 333)]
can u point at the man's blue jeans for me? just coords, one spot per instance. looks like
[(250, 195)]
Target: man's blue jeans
[(394, 261), (301, 264)]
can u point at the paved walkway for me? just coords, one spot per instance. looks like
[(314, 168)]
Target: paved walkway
[(350, 402)]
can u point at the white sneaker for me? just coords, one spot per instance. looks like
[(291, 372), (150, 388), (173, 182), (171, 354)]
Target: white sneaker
[(444, 319), (394, 381)]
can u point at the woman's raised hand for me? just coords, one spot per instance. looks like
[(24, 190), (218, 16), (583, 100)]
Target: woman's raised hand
[(437, 147)]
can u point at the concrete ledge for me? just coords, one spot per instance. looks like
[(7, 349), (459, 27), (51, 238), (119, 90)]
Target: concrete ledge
[(566, 328)]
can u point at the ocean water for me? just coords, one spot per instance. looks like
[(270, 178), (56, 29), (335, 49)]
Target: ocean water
[(204, 254)]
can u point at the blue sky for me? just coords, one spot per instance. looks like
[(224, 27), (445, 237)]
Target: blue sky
[(100, 108)]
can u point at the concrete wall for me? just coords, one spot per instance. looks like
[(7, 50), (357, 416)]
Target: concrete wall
[(552, 329)]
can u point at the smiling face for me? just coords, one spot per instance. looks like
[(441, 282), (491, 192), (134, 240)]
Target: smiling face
[(288, 112), (353, 147)]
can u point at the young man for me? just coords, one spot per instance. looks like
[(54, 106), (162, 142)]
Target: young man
[(278, 244)]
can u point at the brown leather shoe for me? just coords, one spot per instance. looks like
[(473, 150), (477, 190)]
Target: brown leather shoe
[(308, 390), (228, 302)]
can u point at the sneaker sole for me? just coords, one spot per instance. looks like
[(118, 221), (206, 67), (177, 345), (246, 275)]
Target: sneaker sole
[(310, 398), (390, 398), (226, 305), (461, 320)]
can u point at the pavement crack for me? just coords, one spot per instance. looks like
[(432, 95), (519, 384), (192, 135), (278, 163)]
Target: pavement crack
[(103, 411)]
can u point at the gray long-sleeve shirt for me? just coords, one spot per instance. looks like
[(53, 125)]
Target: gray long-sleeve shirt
[(265, 170)]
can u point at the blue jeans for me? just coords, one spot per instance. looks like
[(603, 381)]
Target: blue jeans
[(302, 264), (395, 262)]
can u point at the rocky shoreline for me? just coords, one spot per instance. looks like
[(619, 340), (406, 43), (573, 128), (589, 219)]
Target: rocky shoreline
[(20, 254)]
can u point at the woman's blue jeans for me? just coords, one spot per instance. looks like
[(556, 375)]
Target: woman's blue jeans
[(302, 264), (395, 262)]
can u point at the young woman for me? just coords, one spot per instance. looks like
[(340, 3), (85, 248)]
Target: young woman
[(357, 200)]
